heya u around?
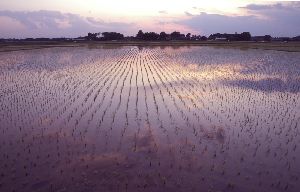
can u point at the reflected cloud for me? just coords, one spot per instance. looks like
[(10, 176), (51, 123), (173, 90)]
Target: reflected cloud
[(215, 133), (267, 84)]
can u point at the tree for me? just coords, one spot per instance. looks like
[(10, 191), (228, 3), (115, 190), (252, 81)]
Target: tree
[(216, 35), (140, 35), (267, 38), (112, 36), (194, 37), (92, 36), (163, 36), (203, 38), (188, 36), (151, 36), (175, 35), (245, 36)]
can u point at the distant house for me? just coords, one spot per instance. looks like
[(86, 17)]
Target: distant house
[(258, 38), (79, 39), (265, 38), (281, 39), (221, 39), (297, 38)]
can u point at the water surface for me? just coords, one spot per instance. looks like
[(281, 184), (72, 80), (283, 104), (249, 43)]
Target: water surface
[(149, 119)]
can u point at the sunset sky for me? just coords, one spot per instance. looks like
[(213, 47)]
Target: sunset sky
[(72, 18)]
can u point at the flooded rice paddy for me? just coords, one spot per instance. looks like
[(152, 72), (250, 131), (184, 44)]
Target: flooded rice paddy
[(149, 119)]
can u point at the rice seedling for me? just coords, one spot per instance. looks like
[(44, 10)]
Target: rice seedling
[(149, 119)]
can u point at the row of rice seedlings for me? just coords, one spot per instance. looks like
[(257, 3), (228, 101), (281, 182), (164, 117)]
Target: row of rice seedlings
[(171, 96), (232, 99)]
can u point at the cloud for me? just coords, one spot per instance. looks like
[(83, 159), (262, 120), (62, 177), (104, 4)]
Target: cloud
[(276, 19), (166, 26), (46, 23), (258, 7), (281, 19), (283, 5), (188, 14), (13, 24), (108, 25), (163, 12), (212, 23)]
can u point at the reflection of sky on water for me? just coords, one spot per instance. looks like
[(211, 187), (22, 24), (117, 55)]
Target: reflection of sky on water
[(52, 58), (268, 85), (149, 119), (254, 69)]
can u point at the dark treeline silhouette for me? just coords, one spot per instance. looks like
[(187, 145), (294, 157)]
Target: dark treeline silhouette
[(262, 38), (177, 36), (297, 38), (141, 36), (105, 36), (245, 36), (163, 36)]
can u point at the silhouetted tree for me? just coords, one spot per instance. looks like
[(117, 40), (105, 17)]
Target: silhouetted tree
[(267, 38), (92, 36), (245, 36), (112, 36), (194, 37), (203, 38), (151, 36), (163, 36), (140, 35), (214, 36), (188, 36), (297, 38), (175, 35)]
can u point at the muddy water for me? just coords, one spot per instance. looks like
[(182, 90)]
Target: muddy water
[(149, 119)]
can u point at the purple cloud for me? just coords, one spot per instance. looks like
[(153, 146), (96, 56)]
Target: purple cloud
[(56, 24), (283, 5), (281, 19), (188, 13), (278, 19), (163, 12)]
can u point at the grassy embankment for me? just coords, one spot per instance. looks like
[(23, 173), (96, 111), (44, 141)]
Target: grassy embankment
[(280, 46)]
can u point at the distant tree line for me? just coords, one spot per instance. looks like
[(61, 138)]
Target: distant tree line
[(245, 36), (105, 36), (141, 36), (163, 36), (177, 36), (266, 38)]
